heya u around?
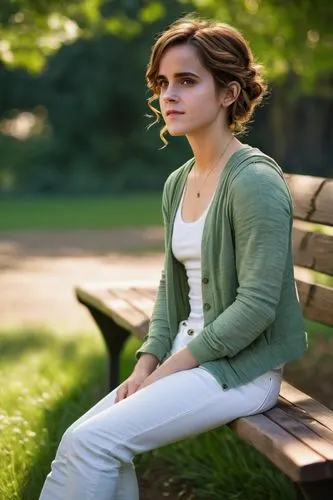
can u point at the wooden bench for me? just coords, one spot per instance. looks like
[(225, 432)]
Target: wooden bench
[(297, 434)]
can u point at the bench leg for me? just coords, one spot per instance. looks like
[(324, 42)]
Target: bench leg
[(114, 337), (318, 490)]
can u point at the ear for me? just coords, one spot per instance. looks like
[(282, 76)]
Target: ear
[(230, 94)]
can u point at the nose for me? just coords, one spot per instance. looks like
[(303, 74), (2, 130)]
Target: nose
[(169, 95)]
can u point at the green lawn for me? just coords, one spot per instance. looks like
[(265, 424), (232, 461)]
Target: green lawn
[(47, 380), (80, 212)]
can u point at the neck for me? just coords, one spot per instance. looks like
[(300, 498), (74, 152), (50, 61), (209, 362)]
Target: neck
[(208, 146)]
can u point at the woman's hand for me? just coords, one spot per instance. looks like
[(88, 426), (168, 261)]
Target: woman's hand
[(153, 377), (147, 373), (181, 360), (145, 366), (131, 384)]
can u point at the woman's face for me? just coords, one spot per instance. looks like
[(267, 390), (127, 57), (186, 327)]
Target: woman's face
[(189, 101)]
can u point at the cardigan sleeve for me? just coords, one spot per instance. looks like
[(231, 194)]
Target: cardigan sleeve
[(158, 339), (261, 214)]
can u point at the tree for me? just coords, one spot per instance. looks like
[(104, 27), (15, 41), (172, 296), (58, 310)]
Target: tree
[(31, 30), (290, 37)]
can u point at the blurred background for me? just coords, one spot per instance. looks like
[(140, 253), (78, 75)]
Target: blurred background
[(80, 193), (73, 96)]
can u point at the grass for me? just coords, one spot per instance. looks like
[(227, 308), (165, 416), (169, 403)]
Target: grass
[(313, 328), (45, 381), (48, 380), (220, 466), (80, 212)]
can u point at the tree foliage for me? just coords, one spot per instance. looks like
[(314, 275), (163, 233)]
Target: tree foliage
[(293, 36), (290, 37), (72, 100), (31, 30)]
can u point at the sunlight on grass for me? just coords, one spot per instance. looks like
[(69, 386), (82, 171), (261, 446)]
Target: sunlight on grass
[(46, 382)]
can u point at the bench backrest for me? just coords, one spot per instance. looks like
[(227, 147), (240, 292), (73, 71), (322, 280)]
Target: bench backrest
[(313, 244)]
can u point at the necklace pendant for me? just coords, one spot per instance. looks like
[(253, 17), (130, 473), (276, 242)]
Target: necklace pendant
[(198, 194)]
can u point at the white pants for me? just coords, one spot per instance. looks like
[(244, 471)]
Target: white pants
[(94, 460)]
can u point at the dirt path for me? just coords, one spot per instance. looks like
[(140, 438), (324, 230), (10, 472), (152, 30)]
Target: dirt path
[(39, 269)]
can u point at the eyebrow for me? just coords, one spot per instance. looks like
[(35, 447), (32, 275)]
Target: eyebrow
[(178, 75)]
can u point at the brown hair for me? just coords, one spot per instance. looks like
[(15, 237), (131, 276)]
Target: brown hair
[(224, 52)]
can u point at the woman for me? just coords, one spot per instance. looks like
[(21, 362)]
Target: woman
[(227, 316)]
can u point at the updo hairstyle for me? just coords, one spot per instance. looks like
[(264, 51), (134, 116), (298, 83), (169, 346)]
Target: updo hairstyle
[(224, 52)]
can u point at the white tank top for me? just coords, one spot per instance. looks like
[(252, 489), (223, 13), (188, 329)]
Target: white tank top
[(186, 247)]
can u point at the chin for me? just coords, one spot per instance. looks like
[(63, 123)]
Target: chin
[(176, 131)]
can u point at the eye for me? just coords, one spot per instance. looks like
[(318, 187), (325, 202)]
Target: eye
[(162, 84), (187, 82)]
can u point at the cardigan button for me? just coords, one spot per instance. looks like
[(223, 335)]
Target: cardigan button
[(205, 280), (206, 306), (190, 331), (225, 387)]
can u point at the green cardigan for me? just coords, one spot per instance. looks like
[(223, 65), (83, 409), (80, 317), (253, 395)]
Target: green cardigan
[(252, 317)]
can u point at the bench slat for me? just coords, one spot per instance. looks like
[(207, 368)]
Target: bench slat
[(303, 433), (313, 250), (151, 293), (115, 307), (306, 419), (136, 300), (291, 456), (315, 409), (130, 317), (316, 301), (312, 198)]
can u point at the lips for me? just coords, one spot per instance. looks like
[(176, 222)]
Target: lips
[(173, 112)]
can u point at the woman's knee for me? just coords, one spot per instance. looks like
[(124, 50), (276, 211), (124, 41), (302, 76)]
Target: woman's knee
[(64, 444), (86, 442), (89, 442)]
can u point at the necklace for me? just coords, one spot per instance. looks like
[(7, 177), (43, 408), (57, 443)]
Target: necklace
[(213, 168)]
